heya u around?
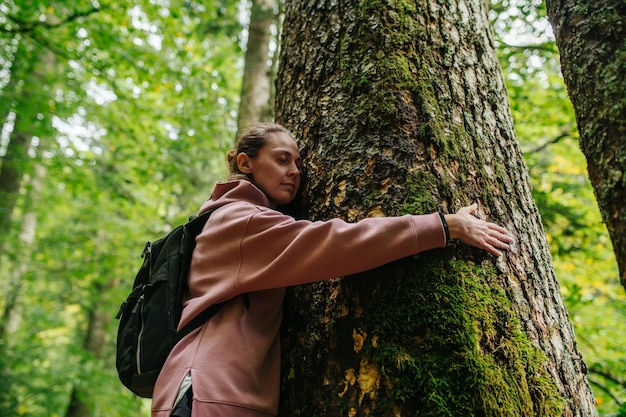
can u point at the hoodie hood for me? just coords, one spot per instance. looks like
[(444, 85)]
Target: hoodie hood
[(231, 191)]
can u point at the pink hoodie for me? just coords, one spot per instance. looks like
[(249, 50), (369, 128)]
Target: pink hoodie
[(246, 247)]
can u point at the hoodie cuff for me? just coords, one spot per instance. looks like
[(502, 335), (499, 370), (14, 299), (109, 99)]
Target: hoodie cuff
[(429, 231)]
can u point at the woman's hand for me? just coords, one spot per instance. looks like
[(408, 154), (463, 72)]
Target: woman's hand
[(476, 232)]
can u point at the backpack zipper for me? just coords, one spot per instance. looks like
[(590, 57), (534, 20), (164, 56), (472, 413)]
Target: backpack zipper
[(138, 357), (148, 253)]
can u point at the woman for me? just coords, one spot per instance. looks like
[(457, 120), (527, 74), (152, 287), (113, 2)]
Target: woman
[(249, 252)]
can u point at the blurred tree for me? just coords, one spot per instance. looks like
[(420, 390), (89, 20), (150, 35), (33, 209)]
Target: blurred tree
[(27, 97), (94, 343), (591, 36), (403, 109), (256, 102)]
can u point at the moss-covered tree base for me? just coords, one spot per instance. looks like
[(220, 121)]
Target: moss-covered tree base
[(451, 346)]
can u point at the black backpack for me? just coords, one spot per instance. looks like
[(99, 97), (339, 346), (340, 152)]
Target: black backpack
[(150, 315)]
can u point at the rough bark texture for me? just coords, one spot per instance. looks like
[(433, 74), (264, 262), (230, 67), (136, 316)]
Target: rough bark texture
[(591, 37), (400, 107)]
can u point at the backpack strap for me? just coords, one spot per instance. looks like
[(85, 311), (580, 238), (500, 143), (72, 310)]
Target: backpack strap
[(195, 225), (202, 318)]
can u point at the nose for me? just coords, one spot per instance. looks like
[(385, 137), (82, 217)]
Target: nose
[(294, 170)]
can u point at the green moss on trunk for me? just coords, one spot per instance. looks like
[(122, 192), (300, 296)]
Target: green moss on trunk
[(451, 346)]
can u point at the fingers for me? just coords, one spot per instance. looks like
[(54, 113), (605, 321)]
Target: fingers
[(471, 209), (500, 233), (493, 251), (498, 240), (493, 246)]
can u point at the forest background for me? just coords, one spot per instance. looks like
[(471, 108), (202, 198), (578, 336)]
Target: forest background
[(123, 114)]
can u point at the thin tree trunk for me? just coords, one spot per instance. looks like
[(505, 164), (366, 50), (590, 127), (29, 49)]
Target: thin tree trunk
[(401, 108), (591, 37), (255, 93), (14, 163), (11, 309), (26, 78), (94, 344)]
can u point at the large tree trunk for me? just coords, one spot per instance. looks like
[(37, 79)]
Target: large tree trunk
[(591, 37), (401, 108)]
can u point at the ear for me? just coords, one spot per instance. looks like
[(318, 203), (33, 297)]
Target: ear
[(243, 163)]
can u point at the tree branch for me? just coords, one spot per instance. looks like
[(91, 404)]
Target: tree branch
[(565, 133), (24, 26), (608, 375), (100, 70), (607, 390), (541, 47)]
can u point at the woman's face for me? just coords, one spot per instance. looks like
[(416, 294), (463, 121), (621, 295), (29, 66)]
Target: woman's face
[(276, 168)]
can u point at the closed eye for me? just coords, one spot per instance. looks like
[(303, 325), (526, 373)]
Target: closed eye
[(286, 158)]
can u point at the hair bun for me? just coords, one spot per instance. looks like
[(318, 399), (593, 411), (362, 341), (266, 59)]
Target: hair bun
[(230, 156)]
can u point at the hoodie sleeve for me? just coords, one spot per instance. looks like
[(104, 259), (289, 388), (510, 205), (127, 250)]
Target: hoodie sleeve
[(278, 251), (245, 248)]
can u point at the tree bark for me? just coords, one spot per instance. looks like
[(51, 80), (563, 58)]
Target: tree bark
[(401, 108), (591, 37), (257, 78)]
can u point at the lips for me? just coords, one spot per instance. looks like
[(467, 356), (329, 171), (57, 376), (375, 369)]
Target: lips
[(291, 186)]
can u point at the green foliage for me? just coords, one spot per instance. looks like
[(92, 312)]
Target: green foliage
[(131, 106)]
